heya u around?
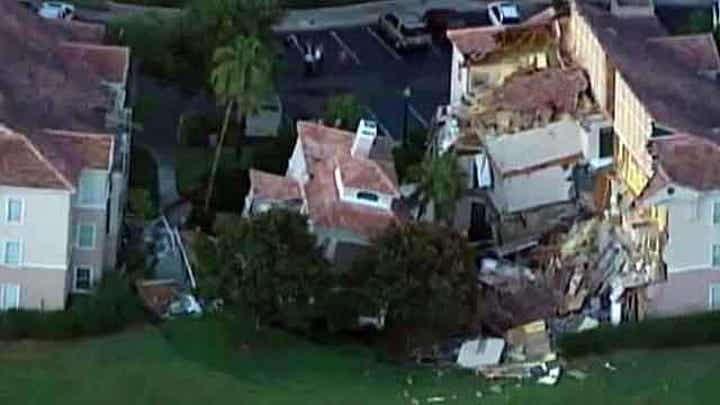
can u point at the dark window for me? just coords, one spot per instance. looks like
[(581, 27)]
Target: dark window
[(364, 195), (606, 142)]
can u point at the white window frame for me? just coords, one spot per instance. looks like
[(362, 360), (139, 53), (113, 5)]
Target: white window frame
[(712, 255), (716, 213), (83, 190), (77, 236), (2, 296), (75, 279), (711, 305), (4, 253), (7, 210)]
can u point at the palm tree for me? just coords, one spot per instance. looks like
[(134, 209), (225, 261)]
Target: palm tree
[(240, 79), (440, 181)]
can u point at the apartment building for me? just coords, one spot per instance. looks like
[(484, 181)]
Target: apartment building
[(344, 182), (659, 91), (64, 157)]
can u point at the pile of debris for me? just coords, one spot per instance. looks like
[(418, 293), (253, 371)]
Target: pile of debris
[(598, 267), (164, 299), (524, 352)]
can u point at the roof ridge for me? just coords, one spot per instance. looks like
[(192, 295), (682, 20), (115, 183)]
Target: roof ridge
[(46, 161), (78, 134)]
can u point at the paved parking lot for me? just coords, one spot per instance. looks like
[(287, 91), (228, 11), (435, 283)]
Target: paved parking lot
[(373, 71)]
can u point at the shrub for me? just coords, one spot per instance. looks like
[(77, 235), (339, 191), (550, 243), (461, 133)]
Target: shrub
[(196, 129), (112, 307), (696, 330)]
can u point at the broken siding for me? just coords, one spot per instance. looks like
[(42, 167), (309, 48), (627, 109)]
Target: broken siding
[(591, 56)]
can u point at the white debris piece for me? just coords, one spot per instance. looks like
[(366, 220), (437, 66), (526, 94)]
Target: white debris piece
[(480, 352), (551, 378)]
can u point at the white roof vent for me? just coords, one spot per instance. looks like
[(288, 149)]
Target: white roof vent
[(364, 138)]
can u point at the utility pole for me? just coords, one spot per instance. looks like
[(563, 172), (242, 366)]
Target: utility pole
[(407, 93)]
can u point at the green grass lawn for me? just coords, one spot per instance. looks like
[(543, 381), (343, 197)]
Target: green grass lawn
[(206, 362)]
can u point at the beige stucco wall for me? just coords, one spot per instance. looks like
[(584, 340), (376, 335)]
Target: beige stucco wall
[(45, 228), (93, 258), (42, 289), (683, 293), (526, 191), (690, 231)]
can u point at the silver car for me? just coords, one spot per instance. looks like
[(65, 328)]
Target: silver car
[(404, 32)]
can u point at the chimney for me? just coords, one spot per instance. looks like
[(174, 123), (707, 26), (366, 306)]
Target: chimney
[(364, 138)]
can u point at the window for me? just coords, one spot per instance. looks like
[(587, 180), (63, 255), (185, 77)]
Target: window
[(9, 296), (86, 236), (83, 278), (14, 211), (364, 195), (716, 255), (714, 297), (716, 212), (92, 189), (12, 253)]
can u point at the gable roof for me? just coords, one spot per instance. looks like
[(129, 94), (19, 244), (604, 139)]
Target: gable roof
[(51, 159), (273, 187), (697, 53), (44, 86), (676, 96)]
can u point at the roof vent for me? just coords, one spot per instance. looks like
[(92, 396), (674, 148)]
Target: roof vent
[(364, 138)]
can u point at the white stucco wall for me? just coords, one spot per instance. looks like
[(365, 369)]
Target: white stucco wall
[(525, 191), (297, 167), (458, 76)]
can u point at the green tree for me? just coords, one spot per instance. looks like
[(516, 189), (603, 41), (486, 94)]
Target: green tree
[(441, 181), (699, 21), (343, 110), (221, 21), (421, 274), (141, 203), (268, 264), (241, 79)]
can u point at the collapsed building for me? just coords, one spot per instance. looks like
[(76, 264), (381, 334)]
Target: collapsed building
[(595, 132)]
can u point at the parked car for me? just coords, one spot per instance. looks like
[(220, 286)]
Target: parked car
[(54, 10), (503, 13), (404, 33), (439, 20)]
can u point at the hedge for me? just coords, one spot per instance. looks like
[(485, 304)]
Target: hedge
[(695, 330), (111, 308)]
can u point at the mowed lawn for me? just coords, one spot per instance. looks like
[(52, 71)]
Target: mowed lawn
[(206, 362)]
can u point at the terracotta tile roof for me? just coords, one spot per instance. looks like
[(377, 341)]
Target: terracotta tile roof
[(677, 97), (51, 159), (555, 90), (80, 31), (325, 149), (326, 210), (688, 161), (322, 143), (697, 52), (109, 62), (40, 89), (273, 187), (490, 42)]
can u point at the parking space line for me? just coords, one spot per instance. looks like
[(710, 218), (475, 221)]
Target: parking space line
[(418, 117), (382, 43), (296, 42), (377, 121), (345, 46)]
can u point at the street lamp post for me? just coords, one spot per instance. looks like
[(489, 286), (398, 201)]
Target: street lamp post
[(407, 92)]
